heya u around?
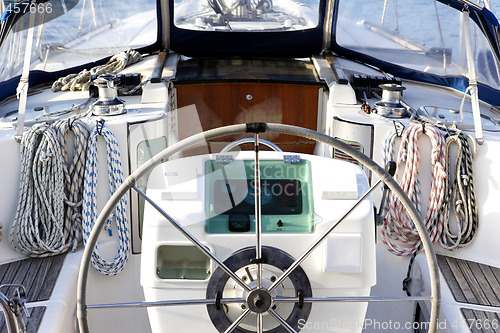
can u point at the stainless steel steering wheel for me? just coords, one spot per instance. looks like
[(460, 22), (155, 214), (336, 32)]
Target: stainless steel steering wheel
[(261, 294)]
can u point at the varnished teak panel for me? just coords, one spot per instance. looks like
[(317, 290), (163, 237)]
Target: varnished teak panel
[(220, 104)]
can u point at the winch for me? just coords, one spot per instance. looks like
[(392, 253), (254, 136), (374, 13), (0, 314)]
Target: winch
[(108, 103), (390, 104)]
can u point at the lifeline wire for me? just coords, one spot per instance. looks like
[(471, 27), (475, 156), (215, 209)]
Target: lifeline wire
[(115, 179)]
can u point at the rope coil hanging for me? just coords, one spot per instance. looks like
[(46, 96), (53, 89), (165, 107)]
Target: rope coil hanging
[(460, 196), (115, 179), (76, 171), (398, 232), (81, 81), (459, 200), (42, 225)]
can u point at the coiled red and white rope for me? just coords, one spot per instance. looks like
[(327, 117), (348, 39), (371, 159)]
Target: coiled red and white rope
[(398, 232)]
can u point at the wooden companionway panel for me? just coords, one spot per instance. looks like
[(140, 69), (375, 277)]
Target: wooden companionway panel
[(220, 104)]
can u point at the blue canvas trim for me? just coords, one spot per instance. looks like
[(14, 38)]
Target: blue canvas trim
[(289, 44), (488, 24)]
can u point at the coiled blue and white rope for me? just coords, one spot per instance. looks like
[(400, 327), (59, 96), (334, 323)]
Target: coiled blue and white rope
[(115, 178)]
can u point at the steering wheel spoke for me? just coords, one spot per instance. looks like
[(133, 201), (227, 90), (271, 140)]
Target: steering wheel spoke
[(238, 321), (193, 239), (258, 213), (322, 238), (282, 321), (368, 299), (166, 303)]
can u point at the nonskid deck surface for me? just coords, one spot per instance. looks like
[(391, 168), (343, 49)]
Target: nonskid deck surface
[(38, 276), (474, 283), (473, 318)]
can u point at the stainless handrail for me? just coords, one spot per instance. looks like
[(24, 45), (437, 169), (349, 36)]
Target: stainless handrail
[(10, 317)]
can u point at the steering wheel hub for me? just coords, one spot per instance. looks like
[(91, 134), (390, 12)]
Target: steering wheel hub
[(259, 300)]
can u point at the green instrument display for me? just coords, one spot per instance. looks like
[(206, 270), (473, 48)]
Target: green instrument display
[(286, 196)]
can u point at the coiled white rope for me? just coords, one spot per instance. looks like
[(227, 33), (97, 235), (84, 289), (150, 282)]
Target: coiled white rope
[(41, 227), (115, 178), (81, 81), (74, 175), (398, 232)]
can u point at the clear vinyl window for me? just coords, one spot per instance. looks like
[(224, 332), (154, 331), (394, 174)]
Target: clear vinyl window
[(246, 15), (426, 36), (71, 33)]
